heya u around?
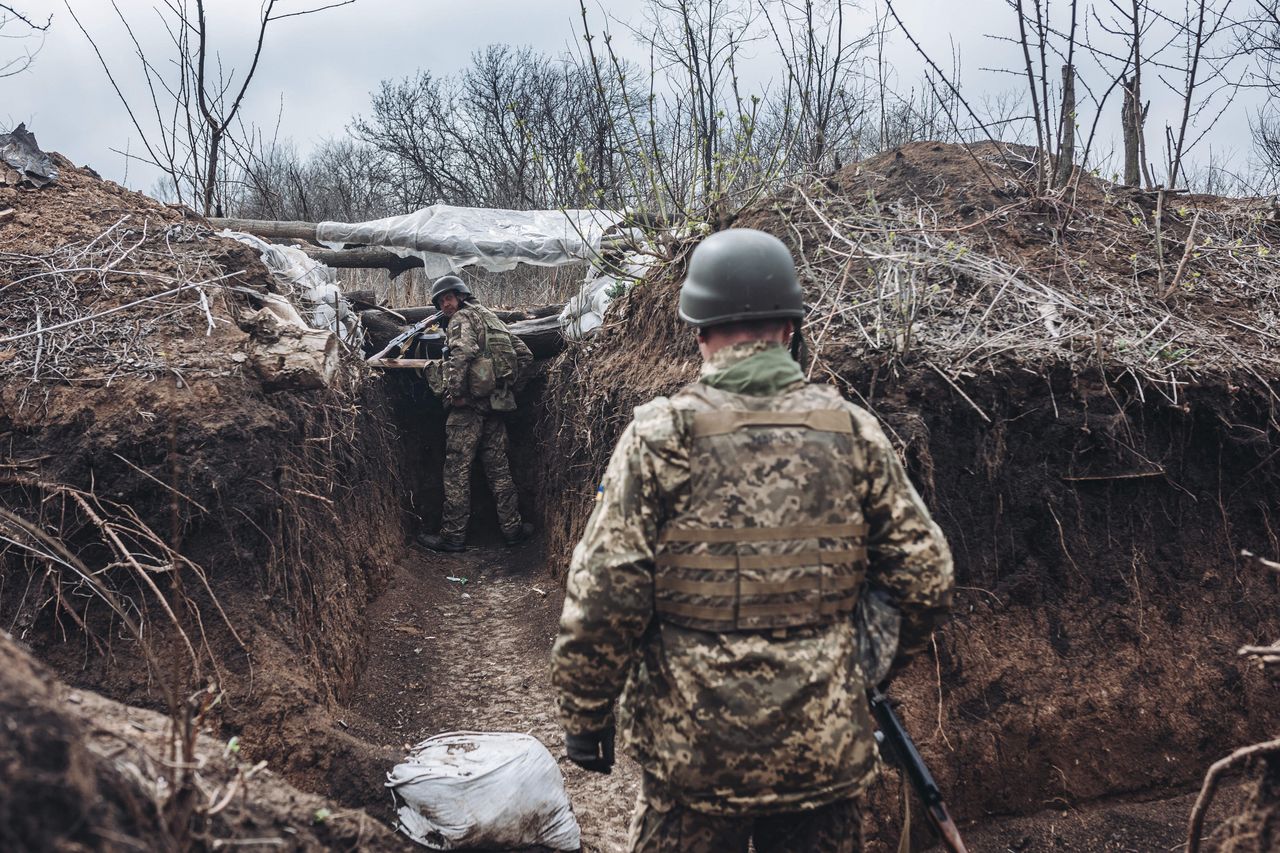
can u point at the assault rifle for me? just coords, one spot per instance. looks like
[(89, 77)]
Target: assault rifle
[(901, 751), (402, 340)]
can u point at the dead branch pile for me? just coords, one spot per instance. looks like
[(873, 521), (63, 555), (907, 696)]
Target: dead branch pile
[(934, 254), (114, 304)]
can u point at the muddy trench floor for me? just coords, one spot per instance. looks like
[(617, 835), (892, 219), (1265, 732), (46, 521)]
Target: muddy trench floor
[(448, 655)]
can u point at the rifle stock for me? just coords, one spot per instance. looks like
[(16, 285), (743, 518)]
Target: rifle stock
[(903, 752)]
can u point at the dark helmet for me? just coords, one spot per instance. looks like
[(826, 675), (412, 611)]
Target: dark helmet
[(446, 283), (740, 274)]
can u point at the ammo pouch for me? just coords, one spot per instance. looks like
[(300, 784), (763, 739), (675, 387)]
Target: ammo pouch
[(494, 371), (434, 374), (480, 377), (759, 468)]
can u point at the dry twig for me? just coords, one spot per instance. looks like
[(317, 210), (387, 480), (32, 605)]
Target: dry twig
[(1195, 824)]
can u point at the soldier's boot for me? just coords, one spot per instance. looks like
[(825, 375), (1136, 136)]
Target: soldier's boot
[(520, 534), (436, 542)]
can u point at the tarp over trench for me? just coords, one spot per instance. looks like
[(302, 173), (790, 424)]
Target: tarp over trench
[(449, 238)]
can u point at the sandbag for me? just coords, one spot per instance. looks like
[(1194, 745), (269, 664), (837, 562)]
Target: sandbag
[(490, 790)]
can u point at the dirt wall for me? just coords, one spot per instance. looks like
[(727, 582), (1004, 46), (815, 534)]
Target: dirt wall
[(290, 502)]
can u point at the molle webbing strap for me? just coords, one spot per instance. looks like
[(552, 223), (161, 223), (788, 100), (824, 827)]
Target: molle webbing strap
[(701, 612), (723, 598), (730, 420), (697, 587), (729, 562), (727, 581), (718, 535)]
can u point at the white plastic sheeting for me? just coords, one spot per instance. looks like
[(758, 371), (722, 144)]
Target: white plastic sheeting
[(584, 313), (449, 238), (309, 282), (489, 790)]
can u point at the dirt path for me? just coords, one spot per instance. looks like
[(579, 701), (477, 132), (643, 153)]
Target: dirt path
[(447, 655), (450, 655)]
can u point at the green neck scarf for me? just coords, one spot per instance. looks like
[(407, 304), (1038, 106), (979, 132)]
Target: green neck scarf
[(764, 373)]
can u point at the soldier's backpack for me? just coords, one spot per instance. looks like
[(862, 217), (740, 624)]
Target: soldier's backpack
[(496, 372)]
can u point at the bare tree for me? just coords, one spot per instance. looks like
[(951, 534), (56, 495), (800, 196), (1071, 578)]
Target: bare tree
[(514, 129), (28, 29), (1257, 40), (822, 106), (193, 101)]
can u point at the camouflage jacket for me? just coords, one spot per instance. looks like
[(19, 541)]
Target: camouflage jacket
[(740, 721), (466, 337)]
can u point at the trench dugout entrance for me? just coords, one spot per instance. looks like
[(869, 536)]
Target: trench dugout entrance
[(419, 418)]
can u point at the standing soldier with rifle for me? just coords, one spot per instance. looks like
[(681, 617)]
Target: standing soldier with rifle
[(484, 366), (738, 525)]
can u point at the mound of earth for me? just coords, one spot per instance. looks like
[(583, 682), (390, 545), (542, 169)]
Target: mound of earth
[(1084, 391), (82, 772)]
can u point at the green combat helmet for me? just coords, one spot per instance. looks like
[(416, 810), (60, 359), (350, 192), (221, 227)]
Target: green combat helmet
[(446, 283), (740, 274)]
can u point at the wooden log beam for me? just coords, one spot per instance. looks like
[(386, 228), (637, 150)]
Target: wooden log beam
[(366, 258), (268, 228)]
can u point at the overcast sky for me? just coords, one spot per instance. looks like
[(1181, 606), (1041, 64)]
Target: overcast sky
[(320, 69)]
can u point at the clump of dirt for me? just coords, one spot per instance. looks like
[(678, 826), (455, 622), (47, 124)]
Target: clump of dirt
[(1091, 421), (84, 773)]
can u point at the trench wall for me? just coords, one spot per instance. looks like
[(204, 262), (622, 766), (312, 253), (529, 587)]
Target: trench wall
[(291, 504), (1097, 530)]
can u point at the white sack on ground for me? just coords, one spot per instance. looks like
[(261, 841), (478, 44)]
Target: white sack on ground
[(483, 790), (310, 282), (449, 238)]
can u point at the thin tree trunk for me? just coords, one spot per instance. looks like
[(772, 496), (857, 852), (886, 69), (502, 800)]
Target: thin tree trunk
[(1066, 128), (1130, 120), (211, 175)]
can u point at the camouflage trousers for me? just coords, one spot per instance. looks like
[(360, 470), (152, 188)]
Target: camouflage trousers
[(468, 431), (834, 828)]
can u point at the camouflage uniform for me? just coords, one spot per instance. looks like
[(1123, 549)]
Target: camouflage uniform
[(667, 827), (472, 424), (726, 616)]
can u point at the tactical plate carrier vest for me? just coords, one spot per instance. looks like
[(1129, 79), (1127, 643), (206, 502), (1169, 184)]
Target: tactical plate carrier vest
[(773, 536)]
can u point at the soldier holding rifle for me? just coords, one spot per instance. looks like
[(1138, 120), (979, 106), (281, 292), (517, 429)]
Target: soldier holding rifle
[(739, 524)]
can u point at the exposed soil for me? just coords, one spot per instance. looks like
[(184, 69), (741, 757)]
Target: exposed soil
[(83, 772), (450, 655)]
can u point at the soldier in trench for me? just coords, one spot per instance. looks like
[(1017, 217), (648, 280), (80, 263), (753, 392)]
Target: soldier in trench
[(484, 367), (738, 525)]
